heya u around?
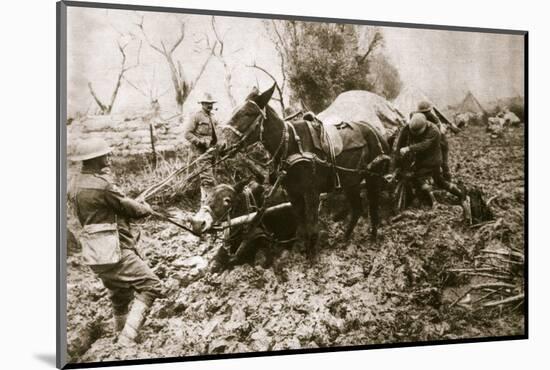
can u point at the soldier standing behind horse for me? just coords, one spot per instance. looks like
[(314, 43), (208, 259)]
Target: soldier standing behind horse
[(109, 243), (422, 140), (201, 133), (426, 109)]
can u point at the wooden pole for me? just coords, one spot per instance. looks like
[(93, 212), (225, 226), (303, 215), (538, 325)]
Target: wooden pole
[(241, 220), (152, 134)]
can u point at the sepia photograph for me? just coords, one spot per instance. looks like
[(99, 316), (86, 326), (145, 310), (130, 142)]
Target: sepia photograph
[(245, 184)]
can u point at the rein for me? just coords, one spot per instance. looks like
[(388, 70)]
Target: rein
[(282, 148), (259, 122)]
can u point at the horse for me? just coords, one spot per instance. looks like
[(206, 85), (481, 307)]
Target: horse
[(241, 242), (306, 173)]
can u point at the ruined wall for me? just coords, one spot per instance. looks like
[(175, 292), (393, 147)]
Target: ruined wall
[(127, 135)]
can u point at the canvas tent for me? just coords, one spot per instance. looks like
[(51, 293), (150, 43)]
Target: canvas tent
[(407, 103), (470, 111), (471, 105), (360, 105)]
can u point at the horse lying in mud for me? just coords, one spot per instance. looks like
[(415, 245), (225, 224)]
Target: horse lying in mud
[(308, 174), (242, 242)]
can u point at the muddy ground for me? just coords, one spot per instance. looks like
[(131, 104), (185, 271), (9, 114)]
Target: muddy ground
[(396, 290)]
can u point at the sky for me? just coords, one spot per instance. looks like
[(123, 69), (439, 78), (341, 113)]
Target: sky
[(443, 64), (448, 64)]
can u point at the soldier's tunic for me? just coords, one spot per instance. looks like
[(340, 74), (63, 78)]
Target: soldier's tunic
[(426, 148), (201, 133), (98, 201), (431, 117)]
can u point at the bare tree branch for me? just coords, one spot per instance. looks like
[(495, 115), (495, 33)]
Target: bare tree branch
[(141, 27), (376, 41), (99, 103), (106, 108), (220, 41), (281, 46), (281, 102), (181, 87), (203, 67), (120, 34), (180, 39), (220, 56), (119, 78), (137, 88)]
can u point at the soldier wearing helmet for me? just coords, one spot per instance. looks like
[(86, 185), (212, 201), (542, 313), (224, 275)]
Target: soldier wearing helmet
[(108, 241), (200, 132), (427, 110), (422, 140)]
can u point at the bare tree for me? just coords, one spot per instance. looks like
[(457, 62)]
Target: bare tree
[(275, 33), (151, 92), (106, 108), (219, 53), (182, 86), (152, 117), (370, 39)]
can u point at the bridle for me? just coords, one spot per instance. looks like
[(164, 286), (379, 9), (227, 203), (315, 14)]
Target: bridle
[(259, 122), (259, 119), (250, 203), (226, 214)]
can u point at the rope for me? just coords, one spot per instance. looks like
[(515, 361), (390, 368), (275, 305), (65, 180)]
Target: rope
[(168, 219)]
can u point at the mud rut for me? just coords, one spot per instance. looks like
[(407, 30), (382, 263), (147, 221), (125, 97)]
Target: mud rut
[(396, 290)]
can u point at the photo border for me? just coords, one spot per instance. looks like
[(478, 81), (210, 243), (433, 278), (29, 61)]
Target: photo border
[(61, 173)]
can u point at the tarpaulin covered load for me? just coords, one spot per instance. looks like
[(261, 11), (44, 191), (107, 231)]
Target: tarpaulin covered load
[(360, 105)]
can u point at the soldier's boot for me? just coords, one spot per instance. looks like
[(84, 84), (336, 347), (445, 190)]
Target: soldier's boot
[(219, 261), (466, 210), (428, 190), (446, 172), (120, 320), (134, 322), (432, 198), (464, 202)]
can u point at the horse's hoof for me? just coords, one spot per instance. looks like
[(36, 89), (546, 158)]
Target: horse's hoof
[(311, 256), (215, 267), (373, 236), (340, 216), (347, 236), (313, 259)]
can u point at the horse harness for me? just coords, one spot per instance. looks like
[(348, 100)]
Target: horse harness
[(287, 161)]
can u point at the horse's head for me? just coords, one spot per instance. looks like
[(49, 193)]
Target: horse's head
[(226, 200), (246, 121)]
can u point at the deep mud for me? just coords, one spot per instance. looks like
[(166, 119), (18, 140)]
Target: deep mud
[(395, 290)]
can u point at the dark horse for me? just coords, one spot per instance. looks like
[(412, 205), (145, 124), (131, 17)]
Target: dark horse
[(292, 149), (242, 242)]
